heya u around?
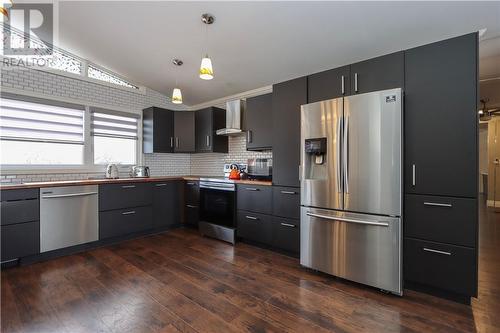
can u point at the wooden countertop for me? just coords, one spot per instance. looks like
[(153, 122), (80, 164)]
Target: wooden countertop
[(115, 181)]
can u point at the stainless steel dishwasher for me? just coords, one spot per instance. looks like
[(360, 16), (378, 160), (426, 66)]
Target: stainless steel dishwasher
[(68, 216)]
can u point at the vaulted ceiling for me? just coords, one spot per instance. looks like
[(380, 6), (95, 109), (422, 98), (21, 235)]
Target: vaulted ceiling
[(254, 44)]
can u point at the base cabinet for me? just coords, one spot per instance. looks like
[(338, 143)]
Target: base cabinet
[(166, 204), (191, 203), (286, 234), (20, 240), (443, 266)]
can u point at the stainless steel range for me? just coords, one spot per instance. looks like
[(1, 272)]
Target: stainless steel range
[(218, 208), (351, 188)]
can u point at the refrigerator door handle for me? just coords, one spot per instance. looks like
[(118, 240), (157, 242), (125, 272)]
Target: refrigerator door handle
[(346, 155), (344, 219), (337, 160)]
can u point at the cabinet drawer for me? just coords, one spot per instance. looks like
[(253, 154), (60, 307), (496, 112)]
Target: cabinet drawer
[(443, 266), (255, 227), (20, 240), (255, 198), (286, 202), (117, 196), (22, 194), (121, 222), (441, 219), (191, 214), (192, 192), (286, 234), (19, 211)]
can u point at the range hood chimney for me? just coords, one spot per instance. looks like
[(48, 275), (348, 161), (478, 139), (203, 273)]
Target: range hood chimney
[(234, 110)]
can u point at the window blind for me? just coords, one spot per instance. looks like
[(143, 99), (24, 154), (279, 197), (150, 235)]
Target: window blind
[(113, 124), (24, 118)]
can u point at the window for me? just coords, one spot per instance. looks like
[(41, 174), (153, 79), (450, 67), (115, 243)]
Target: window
[(40, 132), (98, 74), (114, 136)]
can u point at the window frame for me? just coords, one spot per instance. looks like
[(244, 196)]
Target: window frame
[(88, 165)]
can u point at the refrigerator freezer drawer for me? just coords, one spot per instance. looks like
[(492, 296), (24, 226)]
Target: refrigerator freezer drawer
[(358, 247)]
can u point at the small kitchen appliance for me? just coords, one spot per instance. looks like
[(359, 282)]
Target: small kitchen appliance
[(260, 168), (112, 171), (140, 171)]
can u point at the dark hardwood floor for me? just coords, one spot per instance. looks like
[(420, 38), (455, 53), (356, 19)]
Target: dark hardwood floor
[(179, 281)]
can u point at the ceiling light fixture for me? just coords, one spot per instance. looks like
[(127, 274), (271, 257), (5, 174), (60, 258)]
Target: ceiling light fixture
[(206, 69), (176, 93)]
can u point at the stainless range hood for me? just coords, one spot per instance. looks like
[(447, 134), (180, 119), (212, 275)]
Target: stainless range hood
[(234, 110)]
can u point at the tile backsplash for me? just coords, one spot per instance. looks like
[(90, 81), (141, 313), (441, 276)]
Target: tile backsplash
[(210, 164)]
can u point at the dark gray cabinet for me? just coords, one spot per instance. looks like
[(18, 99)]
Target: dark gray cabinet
[(158, 130), (191, 202), (329, 84), (258, 126), (120, 222), (441, 219), (255, 227), (254, 198), (444, 266), (124, 209), (20, 225), (385, 72), (167, 203), (286, 202), (286, 234), (287, 98), (184, 132), (207, 121), (124, 195), (441, 118)]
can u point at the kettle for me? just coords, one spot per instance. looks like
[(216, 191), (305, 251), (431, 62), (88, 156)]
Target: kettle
[(235, 172), (112, 171)]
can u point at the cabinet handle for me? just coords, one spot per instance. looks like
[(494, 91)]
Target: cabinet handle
[(190, 206), (190, 183), (177, 142), (355, 82), (129, 213), (208, 140), (171, 142), (437, 204), (413, 175), (251, 189), (158, 185), (288, 225), (249, 136), (251, 217), (128, 186), (343, 85), (288, 192), (437, 251)]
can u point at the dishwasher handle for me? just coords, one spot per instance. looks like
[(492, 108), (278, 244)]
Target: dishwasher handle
[(69, 195)]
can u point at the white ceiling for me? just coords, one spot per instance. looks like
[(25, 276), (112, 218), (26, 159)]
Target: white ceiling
[(254, 44)]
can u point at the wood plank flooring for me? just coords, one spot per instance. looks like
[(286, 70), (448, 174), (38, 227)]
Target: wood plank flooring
[(180, 282)]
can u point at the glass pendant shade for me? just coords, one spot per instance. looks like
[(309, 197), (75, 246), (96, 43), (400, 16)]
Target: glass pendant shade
[(176, 96), (206, 70)]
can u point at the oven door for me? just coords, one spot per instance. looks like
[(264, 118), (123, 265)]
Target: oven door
[(217, 206)]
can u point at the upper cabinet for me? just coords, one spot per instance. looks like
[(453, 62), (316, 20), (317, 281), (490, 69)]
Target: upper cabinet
[(258, 122), (184, 134), (207, 122), (385, 72), (329, 84), (441, 118), (287, 98), (158, 130)]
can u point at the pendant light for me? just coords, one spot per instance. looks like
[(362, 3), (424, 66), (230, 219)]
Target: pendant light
[(206, 69), (176, 93)]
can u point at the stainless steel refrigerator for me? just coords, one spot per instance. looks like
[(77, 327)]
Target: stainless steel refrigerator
[(351, 185)]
